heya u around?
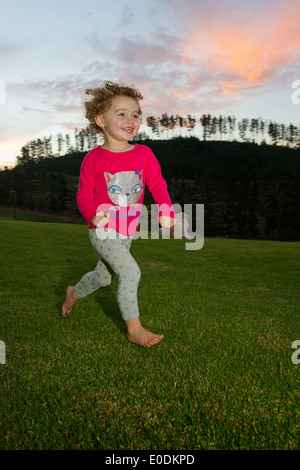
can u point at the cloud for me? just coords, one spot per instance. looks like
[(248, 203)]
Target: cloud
[(206, 57), (7, 49), (47, 95), (246, 48), (161, 50), (228, 50)]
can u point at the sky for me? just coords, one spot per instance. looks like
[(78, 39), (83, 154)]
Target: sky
[(230, 57)]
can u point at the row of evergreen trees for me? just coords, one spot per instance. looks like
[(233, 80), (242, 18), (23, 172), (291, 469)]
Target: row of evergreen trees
[(207, 128), (226, 128)]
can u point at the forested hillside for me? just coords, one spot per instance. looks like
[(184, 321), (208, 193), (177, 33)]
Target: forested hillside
[(249, 190)]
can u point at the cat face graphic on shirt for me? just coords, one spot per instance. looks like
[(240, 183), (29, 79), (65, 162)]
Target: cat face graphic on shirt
[(125, 187)]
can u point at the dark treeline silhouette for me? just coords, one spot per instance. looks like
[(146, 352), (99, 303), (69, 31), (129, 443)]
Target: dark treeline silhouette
[(207, 128), (226, 128), (248, 190)]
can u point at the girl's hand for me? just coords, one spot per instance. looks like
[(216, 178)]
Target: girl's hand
[(100, 219), (167, 222)]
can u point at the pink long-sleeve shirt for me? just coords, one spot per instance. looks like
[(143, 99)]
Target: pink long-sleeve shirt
[(116, 182)]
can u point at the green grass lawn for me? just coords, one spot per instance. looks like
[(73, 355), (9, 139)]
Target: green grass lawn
[(222, 378), (32, 216)]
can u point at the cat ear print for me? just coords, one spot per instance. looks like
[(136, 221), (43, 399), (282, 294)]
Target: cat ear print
[(139, 173), (107, 177)]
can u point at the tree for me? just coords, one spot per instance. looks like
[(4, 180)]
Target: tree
[(253, 129), (222, 125), (291, 134), (243, 125), (274, 131), (172, 122), (231, 122), (152, 122), (205, 121), (261, 128), (214, 125), (181, 123), (190, 123), (47, 147), (25, 155), (164, 122), (60, 141), (68, 143)]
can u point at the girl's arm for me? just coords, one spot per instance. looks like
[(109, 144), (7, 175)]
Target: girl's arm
[(158, 188), (101, 219), (85, 194), (166, 221)]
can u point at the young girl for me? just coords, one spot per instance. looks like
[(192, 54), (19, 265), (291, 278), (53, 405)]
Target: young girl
[(111, 189)]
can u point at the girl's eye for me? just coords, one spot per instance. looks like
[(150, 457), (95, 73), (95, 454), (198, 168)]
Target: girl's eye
[(137, 188), (115, 189)]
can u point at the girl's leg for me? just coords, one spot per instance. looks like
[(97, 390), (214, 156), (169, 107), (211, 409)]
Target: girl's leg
[(116, 253), (102, 276), (137, 334), (71, 299), (116, 259)]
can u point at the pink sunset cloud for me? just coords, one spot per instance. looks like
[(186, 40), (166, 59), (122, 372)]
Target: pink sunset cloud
[(211, 53), (250, 51), (232, 48)]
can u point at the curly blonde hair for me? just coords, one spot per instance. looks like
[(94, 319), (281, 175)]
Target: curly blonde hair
[(102, 98)]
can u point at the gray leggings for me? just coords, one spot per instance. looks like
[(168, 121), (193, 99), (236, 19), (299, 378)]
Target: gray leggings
[(115, 259)]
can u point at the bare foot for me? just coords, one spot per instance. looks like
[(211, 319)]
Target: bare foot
[(71, 299), (137, 334)]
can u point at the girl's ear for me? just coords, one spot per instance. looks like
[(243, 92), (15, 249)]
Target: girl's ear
[(99, 120)]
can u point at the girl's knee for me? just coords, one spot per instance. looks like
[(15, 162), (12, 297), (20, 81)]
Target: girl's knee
[(137, 273), (103, 280), (133, 273)]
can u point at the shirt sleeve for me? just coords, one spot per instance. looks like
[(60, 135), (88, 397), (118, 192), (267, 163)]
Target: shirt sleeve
[(85, 194), (158, 186)]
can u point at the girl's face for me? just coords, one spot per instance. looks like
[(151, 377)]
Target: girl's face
[(122, 121)]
